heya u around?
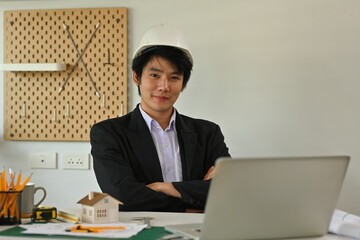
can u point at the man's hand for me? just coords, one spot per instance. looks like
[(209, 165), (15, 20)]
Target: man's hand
[(210, 174), (165, 187)]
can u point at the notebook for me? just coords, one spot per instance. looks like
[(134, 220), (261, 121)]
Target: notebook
[(262, 198)]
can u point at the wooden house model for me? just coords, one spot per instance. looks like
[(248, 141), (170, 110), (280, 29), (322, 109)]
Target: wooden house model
[(99, 208)]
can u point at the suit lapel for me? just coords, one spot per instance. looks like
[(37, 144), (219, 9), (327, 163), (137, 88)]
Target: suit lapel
[(143, 144), (187, 140)]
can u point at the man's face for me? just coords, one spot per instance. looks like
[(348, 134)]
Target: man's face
[(160, 86)]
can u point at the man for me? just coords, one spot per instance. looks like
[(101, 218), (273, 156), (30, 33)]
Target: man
[(154, 159)]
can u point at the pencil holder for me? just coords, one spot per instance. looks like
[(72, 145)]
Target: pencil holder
[(10, 207)]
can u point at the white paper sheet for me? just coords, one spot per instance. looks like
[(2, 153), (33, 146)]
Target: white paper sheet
[(60, 229), (345, 224)]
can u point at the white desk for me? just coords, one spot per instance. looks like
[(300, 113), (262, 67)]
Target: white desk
[(163, 219)]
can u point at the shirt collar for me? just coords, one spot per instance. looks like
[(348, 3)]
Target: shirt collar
[(150, 122)]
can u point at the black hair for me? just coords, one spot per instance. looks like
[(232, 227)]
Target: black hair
[(174, 55)]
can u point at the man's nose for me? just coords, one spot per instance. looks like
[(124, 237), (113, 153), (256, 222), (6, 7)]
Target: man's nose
[(164, 84)]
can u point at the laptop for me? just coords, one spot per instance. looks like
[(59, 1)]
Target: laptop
[(264, 198)]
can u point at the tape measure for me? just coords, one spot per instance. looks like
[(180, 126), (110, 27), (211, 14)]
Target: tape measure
[(43, 213)]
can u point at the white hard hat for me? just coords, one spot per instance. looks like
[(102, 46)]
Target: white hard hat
[(163, 35)]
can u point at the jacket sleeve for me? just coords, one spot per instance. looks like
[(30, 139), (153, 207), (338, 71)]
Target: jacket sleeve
[(194, 192), (115, 175)]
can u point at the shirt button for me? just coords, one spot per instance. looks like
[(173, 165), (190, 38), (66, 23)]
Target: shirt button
[(166, 144)]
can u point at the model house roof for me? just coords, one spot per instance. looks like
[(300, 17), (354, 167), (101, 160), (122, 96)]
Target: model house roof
[(93, 197)]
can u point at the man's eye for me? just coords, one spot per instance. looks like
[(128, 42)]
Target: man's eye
[(154, 75), (175, 77)]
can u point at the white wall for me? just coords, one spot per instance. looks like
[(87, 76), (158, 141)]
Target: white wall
[(280, 77)]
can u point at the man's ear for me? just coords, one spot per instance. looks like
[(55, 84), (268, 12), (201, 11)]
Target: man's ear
[(135, 79)]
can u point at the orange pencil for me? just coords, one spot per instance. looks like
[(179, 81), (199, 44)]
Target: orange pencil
[(18, 181), (25, 182), (12, 177), (15, 210), (2, 195), (5, 188), (12, 206), (80, 227), (105, 228), (17, 189), (1, 184), (3, 179)]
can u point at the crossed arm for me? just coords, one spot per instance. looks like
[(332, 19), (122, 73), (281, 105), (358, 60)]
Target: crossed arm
[(169, 189)]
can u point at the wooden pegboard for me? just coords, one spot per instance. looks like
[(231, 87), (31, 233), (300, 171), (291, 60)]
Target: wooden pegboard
[(33, 107)]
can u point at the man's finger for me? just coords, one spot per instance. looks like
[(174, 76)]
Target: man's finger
[(210, 174)]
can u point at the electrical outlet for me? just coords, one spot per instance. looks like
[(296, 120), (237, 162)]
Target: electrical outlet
[(43, 160), (76, 161)]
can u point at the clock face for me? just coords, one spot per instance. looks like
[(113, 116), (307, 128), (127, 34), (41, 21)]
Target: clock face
[(62, 105)]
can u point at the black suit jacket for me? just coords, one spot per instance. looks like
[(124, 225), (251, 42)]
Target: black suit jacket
[(125, 161)]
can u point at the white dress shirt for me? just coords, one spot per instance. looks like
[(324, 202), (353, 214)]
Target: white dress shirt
[(167, 147)]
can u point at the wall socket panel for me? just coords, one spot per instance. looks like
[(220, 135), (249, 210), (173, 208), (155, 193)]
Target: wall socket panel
[(43, 160), (76, 161)]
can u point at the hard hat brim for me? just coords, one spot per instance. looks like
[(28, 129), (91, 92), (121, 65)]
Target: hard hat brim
[(143, 49)]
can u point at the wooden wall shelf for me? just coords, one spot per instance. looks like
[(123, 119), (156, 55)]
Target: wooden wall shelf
[(33, 67)]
